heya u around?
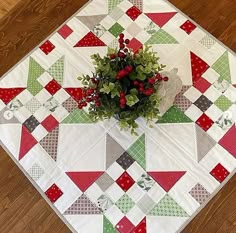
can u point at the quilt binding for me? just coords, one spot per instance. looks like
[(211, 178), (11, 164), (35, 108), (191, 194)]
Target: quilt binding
[(60, 215)]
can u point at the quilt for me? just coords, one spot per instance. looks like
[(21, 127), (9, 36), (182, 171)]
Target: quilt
[(98, 178)]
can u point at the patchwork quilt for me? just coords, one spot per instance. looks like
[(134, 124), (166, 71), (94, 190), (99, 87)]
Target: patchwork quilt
[(103, 180)]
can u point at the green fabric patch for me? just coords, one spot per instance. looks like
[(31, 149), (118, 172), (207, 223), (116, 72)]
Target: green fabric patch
[(174, 115), (168, 207), (112, 4), (57, 70), (125, 204), (116, 29), (137, 151), (162, 37), (108, 227), (223, 103), (221, 66), (35, 71), (78, 116)]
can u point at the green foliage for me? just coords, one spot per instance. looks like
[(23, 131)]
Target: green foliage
[(144, 66)]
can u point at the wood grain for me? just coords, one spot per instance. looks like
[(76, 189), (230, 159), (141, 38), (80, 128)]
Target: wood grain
[(23, 25)]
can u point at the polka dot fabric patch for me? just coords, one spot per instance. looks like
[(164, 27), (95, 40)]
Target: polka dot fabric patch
[(125, 181), (53, 87), (219, 172), (54, 193), (133, 12), (205, 122), (90, 40), (188, 27), (47, 47)]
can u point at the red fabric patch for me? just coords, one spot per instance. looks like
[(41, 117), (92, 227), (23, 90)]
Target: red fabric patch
[(47, 47), (90, 40), (199, 67), (167, 179), (53, 193), (219, 173), (50, 123), (84, 180), (161, 18), (75, 93), (202, 84), (141, 228), (133, 12), (125, 226), (8, 94), (125, 181), (204, 122), (65, 31), (135, 45), (188, 27), (228, 141), (53, 87), (27, 142)]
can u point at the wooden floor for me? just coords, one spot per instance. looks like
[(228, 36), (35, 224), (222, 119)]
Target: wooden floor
[(23, 24)]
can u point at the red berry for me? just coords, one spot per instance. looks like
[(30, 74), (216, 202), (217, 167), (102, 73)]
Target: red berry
[(122, 94), (122, 46), (121, 74), (112, 56), (122, 106), (90, 91), (126, 50), (149, 91), (141, 89), (84, 104), (96, 97), (165, 79), (141, 85), (122, 101), (88, 99), (80, 106), (129, 68), (98, 103), (121, 55), (127, 41), (158, 77), (151, 80), (121, 40), (122, 35), (136, 83)]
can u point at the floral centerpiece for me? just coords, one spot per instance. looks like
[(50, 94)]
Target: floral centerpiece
[(125, 85)]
